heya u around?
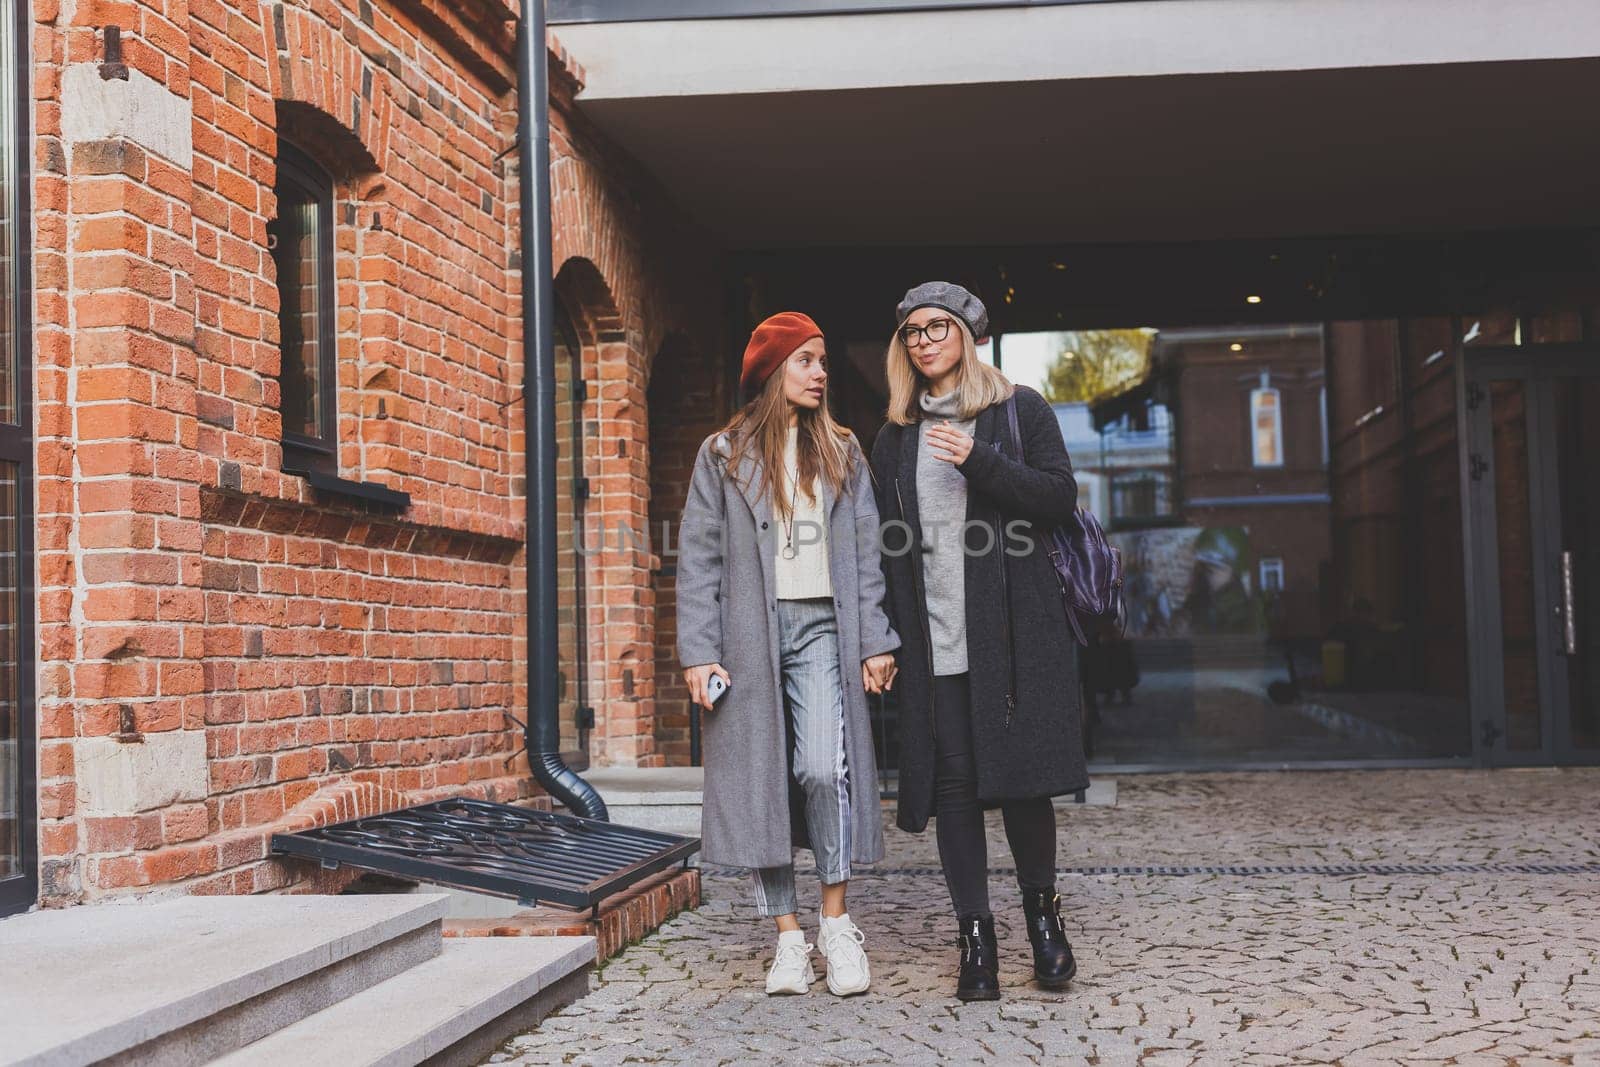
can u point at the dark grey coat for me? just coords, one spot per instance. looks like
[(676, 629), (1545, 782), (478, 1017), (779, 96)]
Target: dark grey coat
[(727, 614), (1039, 753)]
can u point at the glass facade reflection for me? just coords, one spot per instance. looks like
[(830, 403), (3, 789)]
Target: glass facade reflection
[(18, 853), (1288, 501)]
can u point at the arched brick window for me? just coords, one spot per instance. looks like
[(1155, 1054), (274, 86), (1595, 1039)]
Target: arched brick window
[(301, 240)]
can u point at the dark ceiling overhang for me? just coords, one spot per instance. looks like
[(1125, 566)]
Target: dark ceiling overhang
[(852, 290), (1389, 150)]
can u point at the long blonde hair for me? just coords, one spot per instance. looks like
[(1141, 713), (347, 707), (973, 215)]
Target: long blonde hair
[(761, 429), (978, 385)]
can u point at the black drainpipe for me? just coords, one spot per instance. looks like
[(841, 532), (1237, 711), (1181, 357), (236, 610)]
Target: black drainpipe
[(543, 731)]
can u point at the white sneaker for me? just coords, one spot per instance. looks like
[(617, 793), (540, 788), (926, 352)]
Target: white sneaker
[(791, 968), (841, 941)]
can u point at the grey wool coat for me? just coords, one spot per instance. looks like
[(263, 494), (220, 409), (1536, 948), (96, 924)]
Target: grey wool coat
[(1036, 748), (728, 614)]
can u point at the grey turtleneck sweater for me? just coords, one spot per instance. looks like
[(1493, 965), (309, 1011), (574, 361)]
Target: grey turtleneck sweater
[(942, 509)]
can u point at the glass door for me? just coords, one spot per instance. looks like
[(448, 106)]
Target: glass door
[(18, 833), (1532, 419)]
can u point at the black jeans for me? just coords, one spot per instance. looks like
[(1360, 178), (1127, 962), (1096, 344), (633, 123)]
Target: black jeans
[(963, 848)]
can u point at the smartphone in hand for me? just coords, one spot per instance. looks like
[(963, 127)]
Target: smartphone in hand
[(715, 687)]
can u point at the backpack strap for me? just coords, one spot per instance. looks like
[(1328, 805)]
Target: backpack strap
[(1016, 432)]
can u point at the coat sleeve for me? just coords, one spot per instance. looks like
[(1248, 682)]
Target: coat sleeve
[(700, 568), (877, 636), (1041, 490)]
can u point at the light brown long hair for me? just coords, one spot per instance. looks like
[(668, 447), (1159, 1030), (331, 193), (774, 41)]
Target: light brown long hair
[(761, 429), (978, 385)]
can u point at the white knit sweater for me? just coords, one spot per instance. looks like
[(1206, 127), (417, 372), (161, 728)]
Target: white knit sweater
[(806, 575)]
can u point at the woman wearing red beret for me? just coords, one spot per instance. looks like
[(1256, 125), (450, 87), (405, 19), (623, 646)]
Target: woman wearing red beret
[(780, 600)]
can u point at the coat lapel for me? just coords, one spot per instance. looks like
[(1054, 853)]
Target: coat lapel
[(905, 478), (752, 487)]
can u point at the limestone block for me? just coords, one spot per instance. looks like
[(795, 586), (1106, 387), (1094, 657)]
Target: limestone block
[(140, 110), (121, 778)]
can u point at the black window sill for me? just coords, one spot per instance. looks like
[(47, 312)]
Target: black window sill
[(371, 492)]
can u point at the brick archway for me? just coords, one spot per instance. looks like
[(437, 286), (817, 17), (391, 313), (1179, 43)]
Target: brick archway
[(686, 405), (315, 68), (619, 600)]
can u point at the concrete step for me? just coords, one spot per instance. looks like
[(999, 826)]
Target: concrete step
[(455, 1008), (655, 798), (186, 980)]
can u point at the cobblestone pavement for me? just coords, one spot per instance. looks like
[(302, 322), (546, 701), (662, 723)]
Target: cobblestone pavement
[(1474, 964)]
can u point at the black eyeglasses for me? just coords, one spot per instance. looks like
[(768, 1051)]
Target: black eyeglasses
[(935, 331)]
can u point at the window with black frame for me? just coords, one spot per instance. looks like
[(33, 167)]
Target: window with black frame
[(301, 239), (18, 833)]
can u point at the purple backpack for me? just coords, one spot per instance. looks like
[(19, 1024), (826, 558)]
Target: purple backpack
[(1087, 566)]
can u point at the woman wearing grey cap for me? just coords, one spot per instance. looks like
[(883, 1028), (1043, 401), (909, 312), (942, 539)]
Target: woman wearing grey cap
[(990, 702)]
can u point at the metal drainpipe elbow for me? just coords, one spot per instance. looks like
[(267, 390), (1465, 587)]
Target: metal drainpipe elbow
[(543, 732)]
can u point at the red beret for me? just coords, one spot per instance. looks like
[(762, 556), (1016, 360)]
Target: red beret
[(773, 342)]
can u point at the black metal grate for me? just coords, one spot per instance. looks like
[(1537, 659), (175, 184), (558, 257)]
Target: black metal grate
[(536, 857)]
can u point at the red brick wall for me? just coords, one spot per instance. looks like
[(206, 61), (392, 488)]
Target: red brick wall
[(688, 401), (236, 643)]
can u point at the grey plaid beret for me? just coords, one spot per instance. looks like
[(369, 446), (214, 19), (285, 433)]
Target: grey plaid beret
[(952, 298)]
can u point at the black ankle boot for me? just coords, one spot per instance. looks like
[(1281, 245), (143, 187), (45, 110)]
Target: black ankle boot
[(980, 960), (1053, 965)]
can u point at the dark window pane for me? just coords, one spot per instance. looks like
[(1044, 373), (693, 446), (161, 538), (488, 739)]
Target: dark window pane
[(1577, 435), (11, 799), (297, 257), (1553, 326), (1514, 533), (8, 235), (572, 540)]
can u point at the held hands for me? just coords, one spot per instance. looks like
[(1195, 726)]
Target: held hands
[(698, 678), (878, 673), (949, 444)]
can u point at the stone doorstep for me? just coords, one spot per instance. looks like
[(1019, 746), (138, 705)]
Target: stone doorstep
[(183, 980), (432, 1009), (624, 918)]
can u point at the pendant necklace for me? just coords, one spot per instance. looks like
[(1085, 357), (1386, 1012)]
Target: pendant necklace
[(789, 551)]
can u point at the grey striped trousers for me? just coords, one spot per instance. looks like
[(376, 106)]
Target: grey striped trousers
[(808, 647)]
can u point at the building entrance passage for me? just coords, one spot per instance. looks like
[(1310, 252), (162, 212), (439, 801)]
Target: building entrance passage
[(1532, 423), (1281, 439)]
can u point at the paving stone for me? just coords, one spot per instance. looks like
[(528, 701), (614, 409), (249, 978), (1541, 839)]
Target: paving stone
[(1465, 967)]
